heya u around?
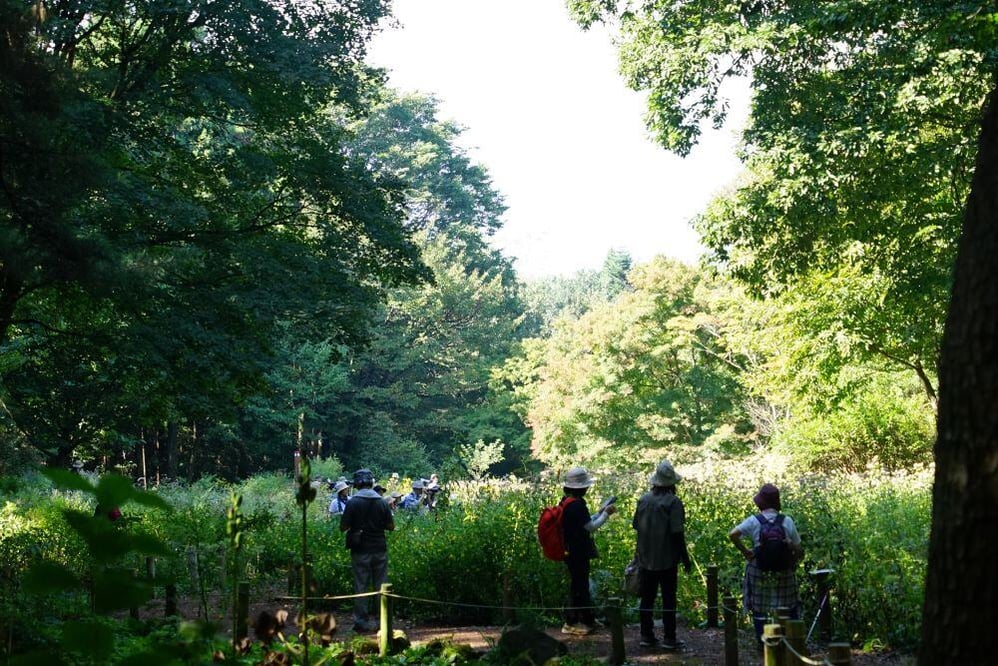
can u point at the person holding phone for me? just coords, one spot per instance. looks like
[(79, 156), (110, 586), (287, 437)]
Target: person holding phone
[(579, 525), (660, 522)]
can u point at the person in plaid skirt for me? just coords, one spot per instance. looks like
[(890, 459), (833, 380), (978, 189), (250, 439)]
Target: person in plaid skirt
[(765, 591)]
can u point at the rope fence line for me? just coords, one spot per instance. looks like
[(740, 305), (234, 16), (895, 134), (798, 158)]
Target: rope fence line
[(774, 638), (462, 604), (775, 641)]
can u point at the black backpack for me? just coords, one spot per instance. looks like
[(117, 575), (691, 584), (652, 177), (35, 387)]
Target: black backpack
[(773, 552)]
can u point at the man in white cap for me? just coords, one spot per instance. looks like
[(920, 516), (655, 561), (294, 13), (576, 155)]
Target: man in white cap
[(579, 525), (660, 521)]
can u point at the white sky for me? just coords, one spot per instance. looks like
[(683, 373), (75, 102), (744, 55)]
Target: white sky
[(550, 118)]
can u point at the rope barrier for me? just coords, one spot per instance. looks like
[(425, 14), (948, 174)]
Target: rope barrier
[(330, 598), (783, 639), (801, 657), (518, 608), (467, 605)]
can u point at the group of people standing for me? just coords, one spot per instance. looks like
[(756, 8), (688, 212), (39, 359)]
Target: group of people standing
[(660, 523), (423, 496), (365, 516)]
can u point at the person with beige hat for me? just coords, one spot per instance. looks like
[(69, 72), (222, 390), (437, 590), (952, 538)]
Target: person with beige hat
[(660, 521), (579, 525)]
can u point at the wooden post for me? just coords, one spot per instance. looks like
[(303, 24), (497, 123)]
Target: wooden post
[(615, 617), (730, 632), (712, 570), (773, 653), (387, 631), (794, 631), (840, 654), (170, 606), (242, 612)]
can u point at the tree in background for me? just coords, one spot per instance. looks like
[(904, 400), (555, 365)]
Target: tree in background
[(551, 298), (861, 136), (647, 371), (858, 151), (176, 182), (421, 384)]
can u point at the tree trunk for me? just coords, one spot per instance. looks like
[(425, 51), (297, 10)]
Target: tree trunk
[(170, 450), (10, 293), (961, 591)]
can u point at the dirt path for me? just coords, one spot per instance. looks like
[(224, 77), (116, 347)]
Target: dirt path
[(704, 647)]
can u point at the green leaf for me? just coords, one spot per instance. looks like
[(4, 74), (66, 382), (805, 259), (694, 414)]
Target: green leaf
[(114, 490), (93, 639), (117, 590), (149, 499), (45, 577), (67, 480), (148, 545)]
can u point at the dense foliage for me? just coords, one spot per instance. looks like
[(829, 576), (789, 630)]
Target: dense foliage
[(870, 528)]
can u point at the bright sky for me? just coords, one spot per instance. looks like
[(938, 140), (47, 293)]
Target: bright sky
[(550, 118)]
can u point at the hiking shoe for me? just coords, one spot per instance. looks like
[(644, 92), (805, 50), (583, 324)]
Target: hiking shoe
[(576, 629), (673, 644), (648, 642)]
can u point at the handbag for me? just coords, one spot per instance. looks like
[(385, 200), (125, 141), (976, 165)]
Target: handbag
[(631, 577), (354, 538)]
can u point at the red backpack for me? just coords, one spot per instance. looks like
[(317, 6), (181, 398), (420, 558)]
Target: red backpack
[(550, 534)]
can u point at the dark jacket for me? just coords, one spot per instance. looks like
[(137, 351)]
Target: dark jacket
[(368, 512), (578, 540), (660, 523)]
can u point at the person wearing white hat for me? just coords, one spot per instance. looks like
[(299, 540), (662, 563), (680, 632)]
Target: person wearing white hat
[(660, 521), (579, 525), (341, 495)]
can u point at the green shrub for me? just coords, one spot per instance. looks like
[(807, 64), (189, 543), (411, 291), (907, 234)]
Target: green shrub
[(870, 430), (481, 550)]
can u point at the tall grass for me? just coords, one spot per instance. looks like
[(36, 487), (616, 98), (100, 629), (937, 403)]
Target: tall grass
[(481, 550)]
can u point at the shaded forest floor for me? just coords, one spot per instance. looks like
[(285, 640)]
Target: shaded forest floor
[(704, 647)]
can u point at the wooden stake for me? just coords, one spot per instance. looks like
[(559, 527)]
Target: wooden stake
[(386, 637)]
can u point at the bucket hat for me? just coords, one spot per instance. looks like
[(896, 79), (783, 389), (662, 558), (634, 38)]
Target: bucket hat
[(578, 477), (340, 485), (768, 497), (664, 475)]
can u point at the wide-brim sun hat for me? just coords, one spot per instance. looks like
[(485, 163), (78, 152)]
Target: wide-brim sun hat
[(340, 485), (665, 475), (577, 477), (768, 497)]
